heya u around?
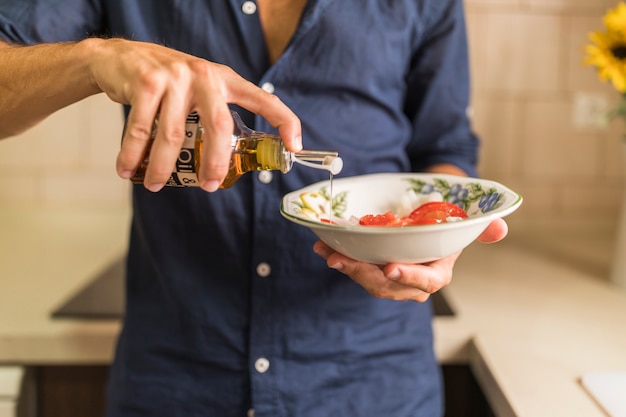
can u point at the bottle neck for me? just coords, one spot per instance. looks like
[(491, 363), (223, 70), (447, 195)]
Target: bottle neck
[(273, 155)]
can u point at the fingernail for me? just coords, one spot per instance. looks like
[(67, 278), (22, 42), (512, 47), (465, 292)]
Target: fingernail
[(210, 185), (321, 251), (393, 275), (338, 266), (297, 143), (126, 174), (155, 187)]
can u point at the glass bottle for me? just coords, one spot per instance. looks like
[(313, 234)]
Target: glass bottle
[(252, 151)]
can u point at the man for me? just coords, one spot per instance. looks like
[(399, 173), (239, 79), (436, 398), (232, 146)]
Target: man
[(229, 312)]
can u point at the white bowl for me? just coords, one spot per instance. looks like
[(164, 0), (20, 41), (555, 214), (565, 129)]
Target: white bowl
[(354, 197)]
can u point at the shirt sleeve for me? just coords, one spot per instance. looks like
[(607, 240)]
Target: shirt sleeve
[(29, 22), (438, 92)]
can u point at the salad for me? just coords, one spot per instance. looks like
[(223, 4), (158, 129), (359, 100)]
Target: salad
[(432, 212)]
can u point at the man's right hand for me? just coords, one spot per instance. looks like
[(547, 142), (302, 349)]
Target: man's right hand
[(153, 80)]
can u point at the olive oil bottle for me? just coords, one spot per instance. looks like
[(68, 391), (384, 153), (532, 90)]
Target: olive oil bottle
[(251, 151)]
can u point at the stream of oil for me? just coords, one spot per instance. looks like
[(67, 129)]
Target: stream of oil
[(330, 178)]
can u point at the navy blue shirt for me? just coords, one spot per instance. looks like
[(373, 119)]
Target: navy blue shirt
[(228, 309)]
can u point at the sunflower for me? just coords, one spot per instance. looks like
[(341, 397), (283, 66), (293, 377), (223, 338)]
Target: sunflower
[(615, 19), (608, 54)]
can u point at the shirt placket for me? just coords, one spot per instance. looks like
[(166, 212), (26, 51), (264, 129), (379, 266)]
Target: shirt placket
[(262, 360)]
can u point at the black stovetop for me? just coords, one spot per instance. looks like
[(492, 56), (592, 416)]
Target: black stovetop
[(103, 297)]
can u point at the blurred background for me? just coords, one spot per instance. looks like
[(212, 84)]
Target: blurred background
[(537, 108), (540, 114), (540, 111)]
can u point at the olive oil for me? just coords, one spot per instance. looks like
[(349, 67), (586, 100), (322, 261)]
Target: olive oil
[(255, 154), (251, 151)]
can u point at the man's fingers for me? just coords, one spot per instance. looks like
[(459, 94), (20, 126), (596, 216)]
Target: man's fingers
[(393, 281), (207, 88), (268, 106), (136, 136), (218, 126), (496, 231), (169, 139), (429, 277)]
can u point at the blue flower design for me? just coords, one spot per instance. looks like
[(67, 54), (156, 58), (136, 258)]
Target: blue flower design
[(427, 189), (488, 202), (458, 195), (463, 195)]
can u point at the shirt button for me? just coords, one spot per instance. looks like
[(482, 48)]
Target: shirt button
[(248, 7), (269, 87), (250, 413), (263, 269), (266, 177), (261, 365)]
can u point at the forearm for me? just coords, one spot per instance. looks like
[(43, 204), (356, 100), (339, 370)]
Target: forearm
[(36, 81)]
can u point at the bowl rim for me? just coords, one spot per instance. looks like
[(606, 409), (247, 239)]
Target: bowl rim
[(497, 213)]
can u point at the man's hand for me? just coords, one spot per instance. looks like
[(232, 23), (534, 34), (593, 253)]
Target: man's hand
[(404, 281), (156, 80), (153, 80)]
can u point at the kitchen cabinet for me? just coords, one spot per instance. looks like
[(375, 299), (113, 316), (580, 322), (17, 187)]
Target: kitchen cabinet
[(79, 391), (70, 391)]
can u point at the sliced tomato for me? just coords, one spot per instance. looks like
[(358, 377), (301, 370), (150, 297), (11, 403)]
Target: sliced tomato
[(386, 219), (436, 212)]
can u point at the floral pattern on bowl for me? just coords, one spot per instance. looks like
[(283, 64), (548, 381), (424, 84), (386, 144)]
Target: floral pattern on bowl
[(471, 197), (463, 195), (315, 205)]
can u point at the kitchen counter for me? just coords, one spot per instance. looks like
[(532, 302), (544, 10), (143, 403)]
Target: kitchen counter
[(529, 326)]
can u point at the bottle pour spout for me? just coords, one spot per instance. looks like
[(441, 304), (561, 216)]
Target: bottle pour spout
[(327, 160)]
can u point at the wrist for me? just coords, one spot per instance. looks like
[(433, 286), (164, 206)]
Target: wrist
[(90, 51)]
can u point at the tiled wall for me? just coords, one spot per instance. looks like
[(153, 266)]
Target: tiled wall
[(527, 74), (527, 71), (67, 160)]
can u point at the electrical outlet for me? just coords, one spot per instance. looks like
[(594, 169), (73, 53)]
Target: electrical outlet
[(590, 111)]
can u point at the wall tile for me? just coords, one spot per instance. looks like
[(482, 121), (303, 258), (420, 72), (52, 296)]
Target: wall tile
[(585, 197), (61, 138), (492, 3), (523, 53), (539, 196), (552, 148), (571, 5), (67, 158), (105, 121), (85, 189), (496, 121), (58, 141), (477, 43), (613, 148)]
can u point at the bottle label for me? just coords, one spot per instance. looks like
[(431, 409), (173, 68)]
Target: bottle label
[(184, 174)]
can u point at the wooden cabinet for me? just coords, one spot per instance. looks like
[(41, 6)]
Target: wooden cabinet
[(79, 391), (464, 398), (68, 391)]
